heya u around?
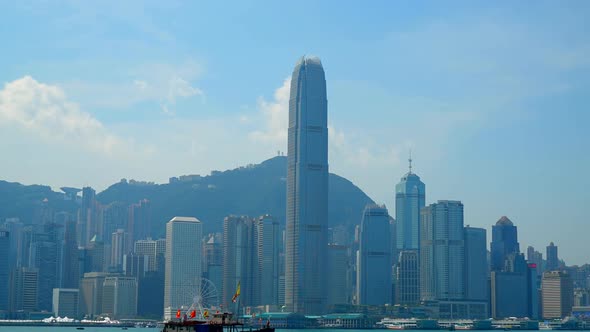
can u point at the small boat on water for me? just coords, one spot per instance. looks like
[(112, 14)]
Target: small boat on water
[(220, 322)]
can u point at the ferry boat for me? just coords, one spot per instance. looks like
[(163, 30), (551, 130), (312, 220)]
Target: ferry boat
[(220, 322)]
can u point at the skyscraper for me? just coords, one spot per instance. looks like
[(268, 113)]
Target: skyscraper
[(476, 267), (409, 200), (239, 260), (558, 294), (24, 289), (442, 252), (65, 302), (44, 255), (70, 268), (338, 281), (90, 295), (307, 190), (374, 266), (140, 220), (552, 258), (4, 268), (88, 216), (183, 263), (408, 281), (119, 244), (119, 299), (268, 244), (536, 258), (504, 242), (213, 259), (154, 249)]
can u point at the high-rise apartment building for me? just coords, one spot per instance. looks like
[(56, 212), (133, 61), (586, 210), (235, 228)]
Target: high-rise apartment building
[(504, 242), (119, 299), (183, 263), (442, 250), (374, 265), (552, 258), (558, 294), (307, 190), (65, 302), (476, 267), (239, 260), (410, 196), (407, 278), (268, 246)]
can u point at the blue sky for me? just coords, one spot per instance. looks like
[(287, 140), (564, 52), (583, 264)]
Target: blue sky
[(492, 97)]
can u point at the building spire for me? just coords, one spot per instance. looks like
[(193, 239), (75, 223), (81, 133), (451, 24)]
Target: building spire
[(410, 161)]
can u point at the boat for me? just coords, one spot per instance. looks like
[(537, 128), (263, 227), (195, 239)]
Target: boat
[(220, 322)]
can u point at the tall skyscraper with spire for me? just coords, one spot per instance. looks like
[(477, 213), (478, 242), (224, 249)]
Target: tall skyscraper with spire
[(307, 190), (409, 199)]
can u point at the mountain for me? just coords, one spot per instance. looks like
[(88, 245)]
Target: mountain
[(31, 202), (253, 190)]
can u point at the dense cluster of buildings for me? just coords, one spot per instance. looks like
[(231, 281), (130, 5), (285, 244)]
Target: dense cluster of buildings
[(422, 261)]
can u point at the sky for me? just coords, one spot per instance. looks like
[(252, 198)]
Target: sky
[(491, 98)]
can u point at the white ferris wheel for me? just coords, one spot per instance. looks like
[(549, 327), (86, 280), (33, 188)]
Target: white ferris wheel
[(204, 296)]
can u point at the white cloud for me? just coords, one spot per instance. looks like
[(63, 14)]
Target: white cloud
[(275, 115), (44, 110)]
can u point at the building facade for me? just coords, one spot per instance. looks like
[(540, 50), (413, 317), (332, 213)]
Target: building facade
[(24, 289), (374, 265), (155, 250), (557, 294), (442, 249), (4, 268), (408, 278), (65, 302), (552, 258), (182, 279), (268, 246), (119, 299), (338, 263), (504, 242), (239, 260), (476, 267), (90, 295), (307, 190), (410, 198)]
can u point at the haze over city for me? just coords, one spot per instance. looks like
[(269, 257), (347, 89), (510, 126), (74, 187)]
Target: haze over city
[(490, 98)]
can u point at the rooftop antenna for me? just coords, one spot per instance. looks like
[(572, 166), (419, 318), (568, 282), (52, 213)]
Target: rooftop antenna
[(410, 161)]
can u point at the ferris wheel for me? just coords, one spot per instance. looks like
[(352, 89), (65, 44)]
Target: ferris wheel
[(204, 297)]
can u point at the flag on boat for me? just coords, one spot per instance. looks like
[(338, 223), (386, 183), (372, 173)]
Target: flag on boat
[(193, 314), (235, 297), (206, 314), (178, 313)]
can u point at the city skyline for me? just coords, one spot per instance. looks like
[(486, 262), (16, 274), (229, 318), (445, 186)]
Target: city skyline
[(486, 105), (485, 97)]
